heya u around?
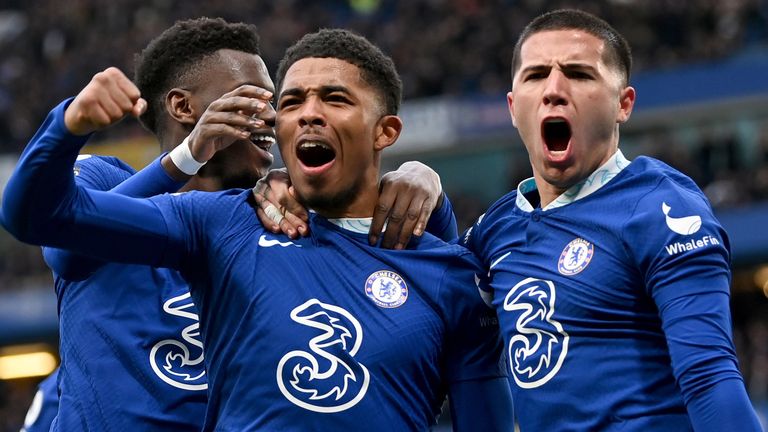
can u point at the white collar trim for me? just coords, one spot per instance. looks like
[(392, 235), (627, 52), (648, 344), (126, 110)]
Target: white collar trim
[(586, 187)]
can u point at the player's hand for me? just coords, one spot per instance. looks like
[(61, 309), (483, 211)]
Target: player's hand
[(407, 198), (108, 98), (277, 207), (232, 117)]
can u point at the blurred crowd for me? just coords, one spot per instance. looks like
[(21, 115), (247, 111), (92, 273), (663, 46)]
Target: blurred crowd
[(442, 47), (50, 49)]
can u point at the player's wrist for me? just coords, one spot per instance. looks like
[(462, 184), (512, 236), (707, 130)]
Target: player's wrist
[(183, 159)]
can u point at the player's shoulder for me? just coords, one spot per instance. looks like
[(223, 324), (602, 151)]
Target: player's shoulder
[(656, 174), (656, 184), (450, 253), (501, 208), (101, 172), (230, 205), (104, 162), (227, 195), (501, 213)]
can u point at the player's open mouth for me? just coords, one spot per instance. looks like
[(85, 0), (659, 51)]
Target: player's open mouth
[(263, 141), (556, 133), (315, 153)]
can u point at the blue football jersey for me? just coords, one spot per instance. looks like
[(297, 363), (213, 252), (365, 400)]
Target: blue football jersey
[(44, 405), (320, 333), (131, 352), (130, 347), (613, 301), (326, 332)]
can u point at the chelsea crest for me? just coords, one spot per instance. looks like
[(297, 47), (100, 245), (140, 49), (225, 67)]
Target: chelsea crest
[(575, 257), (386, 288)]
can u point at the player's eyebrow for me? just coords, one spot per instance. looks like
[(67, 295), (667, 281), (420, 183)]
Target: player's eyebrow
[(323, 90), (536, 68)]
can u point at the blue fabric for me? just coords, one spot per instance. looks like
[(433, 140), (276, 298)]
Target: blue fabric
[(131, 355), (614, 307), (320, 333), (44, 406)]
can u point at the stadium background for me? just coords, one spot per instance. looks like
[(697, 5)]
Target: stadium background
[(701, 71)]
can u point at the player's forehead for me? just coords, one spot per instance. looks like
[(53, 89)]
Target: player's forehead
[(314, 73), (563, 46), (237, 68)]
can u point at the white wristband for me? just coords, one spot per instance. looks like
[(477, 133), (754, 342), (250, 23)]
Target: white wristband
[(183, 159)]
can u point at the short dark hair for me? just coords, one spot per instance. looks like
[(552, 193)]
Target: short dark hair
[(377, 69), (172, 57), (618, 53)]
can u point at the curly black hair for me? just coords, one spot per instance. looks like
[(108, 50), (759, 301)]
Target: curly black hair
[(171, 58), (378, 70)]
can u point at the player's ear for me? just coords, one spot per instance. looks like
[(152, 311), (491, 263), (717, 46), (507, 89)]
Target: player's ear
[(387, 132), (511, 105), (178, 104), (627, 98)]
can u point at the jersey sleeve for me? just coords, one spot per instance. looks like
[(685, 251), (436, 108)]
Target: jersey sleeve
[(150, 181), (44, 406), (474, 348), (43, 205), (91, 172), (684, 257), (107, 173), (704, 362), (442, 222), (479, 237)]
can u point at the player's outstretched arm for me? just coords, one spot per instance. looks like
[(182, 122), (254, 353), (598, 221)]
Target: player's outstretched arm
[(43, 205), (51, 153), (111, 174), (697, 328)]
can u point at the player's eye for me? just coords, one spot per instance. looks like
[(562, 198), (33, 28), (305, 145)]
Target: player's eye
[(287, 102), (580, 75), (336, 97), (535, 76)]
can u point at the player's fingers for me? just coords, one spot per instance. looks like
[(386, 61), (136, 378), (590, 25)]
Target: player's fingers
[(288, 202), (402, 219), (247, 105), (380, 214), (99, 116), (292, 220), (139, 107), (266, 221), (424, 214), (117, 90), (251, 91), (290, 224), (269, 214), (415, 221), (127, 87), (234, 119), (217, 133)]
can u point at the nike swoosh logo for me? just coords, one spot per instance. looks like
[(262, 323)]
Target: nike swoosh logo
[(499, 260), (265, 242)]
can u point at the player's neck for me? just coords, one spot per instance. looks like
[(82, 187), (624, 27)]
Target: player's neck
[(205, 184), (362, 205), (547, 192)]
